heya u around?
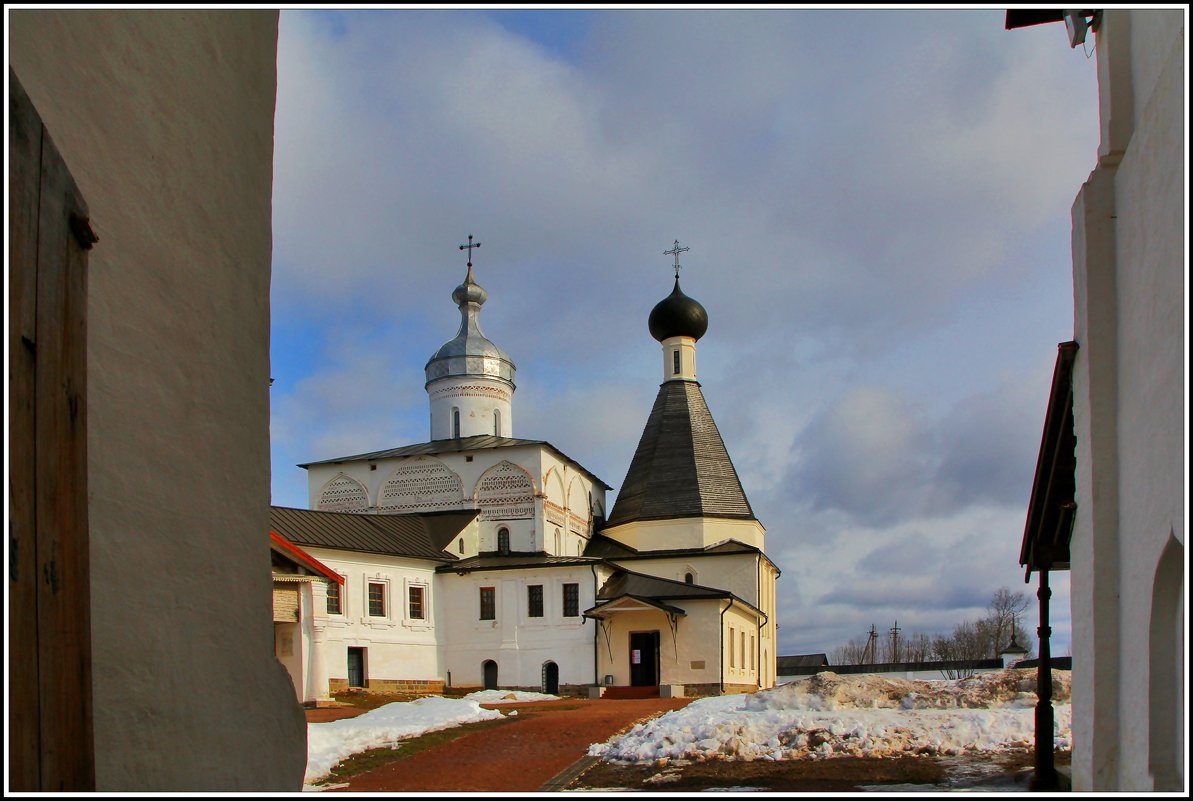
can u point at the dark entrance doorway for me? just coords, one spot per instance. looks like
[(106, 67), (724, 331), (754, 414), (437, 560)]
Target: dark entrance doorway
[(489, 669), (551, 678), (356, 667), (644, 658)]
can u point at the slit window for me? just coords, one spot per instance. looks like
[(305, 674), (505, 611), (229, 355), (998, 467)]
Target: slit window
[(334, 606), (675, 362), (416, 603)]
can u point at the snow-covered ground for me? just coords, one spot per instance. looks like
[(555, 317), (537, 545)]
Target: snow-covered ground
[(829, 715), (818, 717), (330, 743)]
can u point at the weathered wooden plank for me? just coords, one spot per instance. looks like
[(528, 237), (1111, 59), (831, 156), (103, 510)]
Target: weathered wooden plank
[(24, 176), (64, 619)]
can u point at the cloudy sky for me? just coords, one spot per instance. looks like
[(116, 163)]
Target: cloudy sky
[(877, 206)]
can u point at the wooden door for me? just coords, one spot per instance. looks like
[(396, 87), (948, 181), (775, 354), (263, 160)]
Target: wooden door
[(644, 658), (489, 672), (356, 667), (51, 741)]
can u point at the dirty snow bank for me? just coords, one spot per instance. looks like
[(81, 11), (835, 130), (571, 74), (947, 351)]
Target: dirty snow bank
[(330, 743), (507, 697), (829, 715)]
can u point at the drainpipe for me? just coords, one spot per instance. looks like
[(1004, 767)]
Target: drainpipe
[(722, 658), (596, 632), (758, 646)]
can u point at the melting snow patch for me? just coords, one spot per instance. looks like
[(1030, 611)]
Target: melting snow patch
[(829, 715), (331, 743)]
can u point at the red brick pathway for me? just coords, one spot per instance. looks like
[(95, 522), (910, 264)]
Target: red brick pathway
[(521, 756)]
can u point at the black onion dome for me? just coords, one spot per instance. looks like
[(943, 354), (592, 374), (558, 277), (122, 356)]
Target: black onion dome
[(677, 315)]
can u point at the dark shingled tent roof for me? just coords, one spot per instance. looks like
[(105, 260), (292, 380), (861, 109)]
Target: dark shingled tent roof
[(421, 536), (681, 468)]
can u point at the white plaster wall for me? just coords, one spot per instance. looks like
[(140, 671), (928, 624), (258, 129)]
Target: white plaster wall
[(519, 644), (532, 534), (477, 399), (1129, 262), (690, 532), (1150, 254), (399, 648), (165, 119)]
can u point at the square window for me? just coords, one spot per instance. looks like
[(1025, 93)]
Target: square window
[(535, 600), (571, 600), (333, 599), (488, 603), (376, 599), (416, 603)]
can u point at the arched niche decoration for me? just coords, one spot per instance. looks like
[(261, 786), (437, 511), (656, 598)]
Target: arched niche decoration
[(505, 492), (343, 494), (579, 513), (553, 502), (421, 485)]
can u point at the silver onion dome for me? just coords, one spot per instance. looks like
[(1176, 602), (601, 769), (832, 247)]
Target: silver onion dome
[(470, 352)]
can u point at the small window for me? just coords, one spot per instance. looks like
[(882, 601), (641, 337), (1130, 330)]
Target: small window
[(461, 548), (455, 423), (675, 362), (333, 599), (376, 599), (534, 600), (416, 603), (503, 540), (571, 600), (488, 603), (688, 578)]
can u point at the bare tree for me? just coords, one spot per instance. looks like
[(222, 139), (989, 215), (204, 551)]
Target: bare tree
[(1003, 613)]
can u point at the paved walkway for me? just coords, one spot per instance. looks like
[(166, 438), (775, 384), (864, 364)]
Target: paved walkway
[(541, 750)]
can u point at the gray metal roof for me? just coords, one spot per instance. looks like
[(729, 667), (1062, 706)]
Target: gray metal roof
[(681, 468), (419, 536), (514, 561), (460, 445), (625, 583)]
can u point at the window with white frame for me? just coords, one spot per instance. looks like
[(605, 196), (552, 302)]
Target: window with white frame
[(488, 598), (376, 599), (416, 602), (335, 605)]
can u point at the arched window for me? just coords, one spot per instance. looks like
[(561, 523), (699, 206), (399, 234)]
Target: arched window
[(503, 540), (455, 423), (558, 542), (688, 578)]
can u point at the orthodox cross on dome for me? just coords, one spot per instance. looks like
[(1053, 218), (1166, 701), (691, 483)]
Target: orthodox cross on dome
[(675, 251), (470, 246)]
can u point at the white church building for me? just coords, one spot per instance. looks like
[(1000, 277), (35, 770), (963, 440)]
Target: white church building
[(478, 559)]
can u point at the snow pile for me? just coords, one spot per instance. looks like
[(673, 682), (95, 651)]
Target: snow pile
[(507, 697), (330, 743), (828, 715)]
